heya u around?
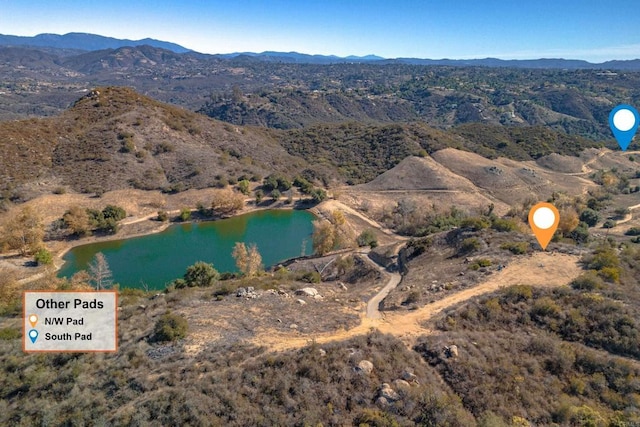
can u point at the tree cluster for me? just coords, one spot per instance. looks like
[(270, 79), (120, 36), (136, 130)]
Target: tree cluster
[(84, 221)]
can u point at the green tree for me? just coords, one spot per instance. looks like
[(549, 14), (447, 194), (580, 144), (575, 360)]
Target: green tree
[(259, 196), (318, 195), (367, 238), (185, 214), (43, 257), (590, 217), (201, 274), (275, 195), (243, 187), (114, 212)]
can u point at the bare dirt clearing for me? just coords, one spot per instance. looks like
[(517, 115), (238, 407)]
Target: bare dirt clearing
[(540, 269)]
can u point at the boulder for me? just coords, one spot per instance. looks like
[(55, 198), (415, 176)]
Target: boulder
[(364, 367), (388, 393), (307, 292), (451, 351), (301, 302), (241, 292), (409, 376), (401, 384), (382, 402), (293, 326)]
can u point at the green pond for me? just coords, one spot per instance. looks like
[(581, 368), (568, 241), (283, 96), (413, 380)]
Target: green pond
[(157, 259)]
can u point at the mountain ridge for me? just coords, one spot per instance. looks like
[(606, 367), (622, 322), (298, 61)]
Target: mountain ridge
[(85, 41), (94, 42)]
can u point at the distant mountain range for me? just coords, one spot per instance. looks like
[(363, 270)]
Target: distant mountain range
[(85, 41), (93, 42)]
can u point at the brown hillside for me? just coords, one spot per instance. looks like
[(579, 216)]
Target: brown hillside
[(415, 173), (509, 180), (115, 138)]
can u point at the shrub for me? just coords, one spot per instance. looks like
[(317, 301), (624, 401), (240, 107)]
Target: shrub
[(581, 233), (9, 334), (412, 298), (469, 245), (506, 224), (622, 212), (259, 196), (609, 224), (479, 263), (114, 212), (276, 181), (610, 274), (590, 217), (304, 185), (633, 231), (170, 327), (602, 258), (545, 306), (185, 214), (475, 223), (162, 216), (516, 248), (367, 238), (201, 274), (518, 293), (243, 187), (318, 195), (588, 281), (311, 277), (43, 257)]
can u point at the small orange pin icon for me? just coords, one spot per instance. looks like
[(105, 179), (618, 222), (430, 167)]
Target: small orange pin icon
[(544, 219), (33, 319)]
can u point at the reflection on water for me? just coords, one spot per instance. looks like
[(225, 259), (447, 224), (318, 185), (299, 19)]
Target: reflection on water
[(159, 258)]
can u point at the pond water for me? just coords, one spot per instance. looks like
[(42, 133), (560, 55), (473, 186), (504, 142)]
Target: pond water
[(157, 259)]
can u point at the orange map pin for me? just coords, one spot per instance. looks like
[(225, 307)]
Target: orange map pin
[(33, 319), (544, 219)]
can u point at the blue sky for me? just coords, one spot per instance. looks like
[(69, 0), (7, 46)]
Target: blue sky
[(594, 30)]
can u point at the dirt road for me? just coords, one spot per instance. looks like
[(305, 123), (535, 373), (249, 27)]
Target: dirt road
[(540, 269)]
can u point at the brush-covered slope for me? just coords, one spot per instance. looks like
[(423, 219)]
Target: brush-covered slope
[(117, 138)]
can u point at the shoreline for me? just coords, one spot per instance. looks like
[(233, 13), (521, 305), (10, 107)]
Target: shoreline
[(66, 245)]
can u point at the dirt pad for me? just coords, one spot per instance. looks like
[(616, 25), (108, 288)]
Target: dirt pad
[(540, 269)]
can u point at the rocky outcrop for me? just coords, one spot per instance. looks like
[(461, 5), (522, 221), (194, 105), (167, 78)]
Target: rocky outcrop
[(364, 367)]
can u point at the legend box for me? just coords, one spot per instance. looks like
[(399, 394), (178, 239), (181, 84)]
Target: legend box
[(61, 321)]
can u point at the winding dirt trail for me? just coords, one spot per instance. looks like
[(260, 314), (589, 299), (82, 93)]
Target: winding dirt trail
[(540, 269)]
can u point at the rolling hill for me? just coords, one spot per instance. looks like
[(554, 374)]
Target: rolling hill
[(247, 90), (116, 138)]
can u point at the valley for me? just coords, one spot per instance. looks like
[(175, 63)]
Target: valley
[(413, 283)]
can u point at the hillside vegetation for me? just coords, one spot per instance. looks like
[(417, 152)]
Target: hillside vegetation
[(279, 94), (115, 138)]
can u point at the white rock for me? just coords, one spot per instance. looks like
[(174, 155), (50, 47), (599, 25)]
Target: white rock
[(307, 292)]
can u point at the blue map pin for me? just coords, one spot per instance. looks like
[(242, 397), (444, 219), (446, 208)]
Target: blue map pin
[(33, 335), (624, 120)]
